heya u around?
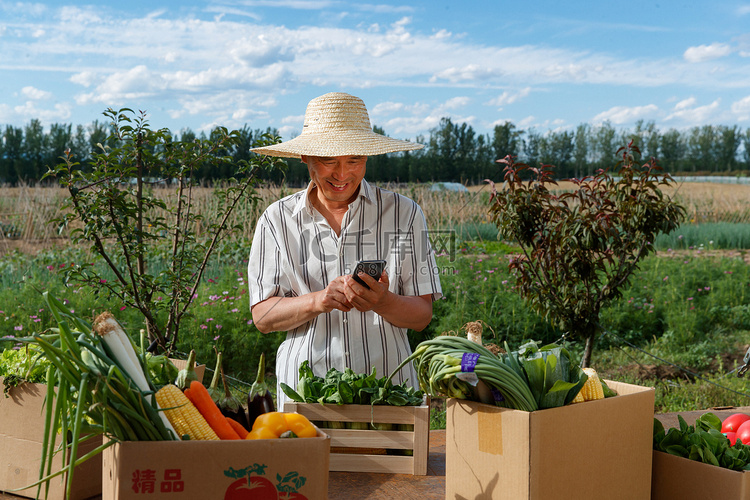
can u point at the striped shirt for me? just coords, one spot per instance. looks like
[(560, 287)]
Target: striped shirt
[(295, 252)]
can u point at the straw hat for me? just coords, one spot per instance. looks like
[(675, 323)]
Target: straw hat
[(337, 124)]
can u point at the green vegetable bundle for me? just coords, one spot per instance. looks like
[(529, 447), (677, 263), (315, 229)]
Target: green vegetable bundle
[(347, 387), (553, 378), (460, 368), (22, 365), (703, 442), (527, 380), (96, 385)]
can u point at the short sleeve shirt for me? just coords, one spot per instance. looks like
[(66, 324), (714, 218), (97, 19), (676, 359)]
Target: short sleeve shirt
[(295, 252)]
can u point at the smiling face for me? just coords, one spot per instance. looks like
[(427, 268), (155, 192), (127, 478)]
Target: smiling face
[(337, 178)]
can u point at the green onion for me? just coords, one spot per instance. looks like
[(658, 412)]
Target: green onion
[(96, 385)]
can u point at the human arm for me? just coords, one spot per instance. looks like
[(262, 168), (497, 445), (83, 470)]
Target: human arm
[(281, 314)]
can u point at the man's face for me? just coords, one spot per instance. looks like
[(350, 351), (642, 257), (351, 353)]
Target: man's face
[(337, 177)]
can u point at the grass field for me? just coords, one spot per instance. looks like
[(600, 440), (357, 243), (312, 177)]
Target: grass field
[(682, 325)]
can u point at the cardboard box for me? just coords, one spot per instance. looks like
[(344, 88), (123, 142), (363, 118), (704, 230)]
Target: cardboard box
[(360, 450), (182, 363), (677, 478), (191, 470), (594, 450), (21, 433)]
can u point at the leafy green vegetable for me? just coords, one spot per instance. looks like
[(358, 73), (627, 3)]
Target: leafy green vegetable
[(703, 442), (22, 365), (553, 379), (347, 387), (28, 365)]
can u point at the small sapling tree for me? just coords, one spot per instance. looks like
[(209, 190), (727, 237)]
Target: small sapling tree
[(112, 208), (581, 247)]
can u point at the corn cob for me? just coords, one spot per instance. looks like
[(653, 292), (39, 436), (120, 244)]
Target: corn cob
[(592, 389), (183, 415)]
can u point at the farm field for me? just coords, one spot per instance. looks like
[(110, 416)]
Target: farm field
[(683, 324)]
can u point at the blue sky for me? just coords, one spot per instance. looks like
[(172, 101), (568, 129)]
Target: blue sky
[(544, 65)]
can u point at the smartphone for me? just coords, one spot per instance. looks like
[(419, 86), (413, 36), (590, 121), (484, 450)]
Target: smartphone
[(372, 267)]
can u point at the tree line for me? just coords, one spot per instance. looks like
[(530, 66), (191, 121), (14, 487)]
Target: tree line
[(453, 152)]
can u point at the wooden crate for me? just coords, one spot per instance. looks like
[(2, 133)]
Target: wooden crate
[(355, 450)]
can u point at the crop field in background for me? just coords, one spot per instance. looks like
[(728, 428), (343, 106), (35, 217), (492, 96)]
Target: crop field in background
[(26, 212), (682, 325)]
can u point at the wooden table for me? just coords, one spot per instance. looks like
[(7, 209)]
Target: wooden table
[(356, 486)]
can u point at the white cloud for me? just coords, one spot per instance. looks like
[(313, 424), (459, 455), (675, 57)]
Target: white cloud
[(743, 10), (84, 78), (691, 115), (403, 120), (509, 97), (703, 53), (621, 115), (35, 93), (456, 102), (685, 103), (467, 73), (741, 108), (60, 112)]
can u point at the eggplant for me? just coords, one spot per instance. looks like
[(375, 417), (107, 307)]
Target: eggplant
[(259, 399), (187, 374), (229, 406)]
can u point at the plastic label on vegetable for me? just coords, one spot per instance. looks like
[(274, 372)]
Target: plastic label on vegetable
[(469, 361), (468, 377)]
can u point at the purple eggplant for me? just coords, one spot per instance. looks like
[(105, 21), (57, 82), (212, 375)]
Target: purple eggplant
[(259, 399), (229, 405)]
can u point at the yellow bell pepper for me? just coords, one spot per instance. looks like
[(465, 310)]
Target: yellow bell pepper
[(276, 424)]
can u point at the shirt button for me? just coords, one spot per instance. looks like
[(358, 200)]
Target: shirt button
[(345, 320)]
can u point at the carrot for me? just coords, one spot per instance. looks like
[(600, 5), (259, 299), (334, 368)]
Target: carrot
[(241, 431), (199, 396)]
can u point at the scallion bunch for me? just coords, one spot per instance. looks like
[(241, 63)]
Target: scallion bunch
[(439, 361), (96, 385)]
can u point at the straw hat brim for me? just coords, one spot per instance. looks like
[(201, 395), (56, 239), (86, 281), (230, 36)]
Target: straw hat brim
[(338, 143)]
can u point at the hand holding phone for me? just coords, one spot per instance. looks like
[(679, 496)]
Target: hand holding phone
[(372, 267)]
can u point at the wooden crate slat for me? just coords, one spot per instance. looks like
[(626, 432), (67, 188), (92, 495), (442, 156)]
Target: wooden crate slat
[(352, 438), (358, 441), (355, 413), (421, 441), (371, 463)]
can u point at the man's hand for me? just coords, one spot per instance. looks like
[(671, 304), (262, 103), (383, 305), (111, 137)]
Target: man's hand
[(334, 296), (413, 312), (363, 299)]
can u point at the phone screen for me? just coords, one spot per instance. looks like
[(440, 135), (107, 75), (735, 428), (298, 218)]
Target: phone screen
[(372, 267)]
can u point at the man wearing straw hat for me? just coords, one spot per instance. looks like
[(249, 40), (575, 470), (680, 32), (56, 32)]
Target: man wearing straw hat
[(306, 246)]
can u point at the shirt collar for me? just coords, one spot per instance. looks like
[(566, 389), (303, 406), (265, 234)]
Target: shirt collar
[(365, 191)]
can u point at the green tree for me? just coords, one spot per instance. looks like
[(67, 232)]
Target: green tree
[(581, 150), (59, 139), (702, 147), (672, 146), (648, 135), (557, 148), (729, 140), (580, 248), (34, 149), (123, 221), (604, 144), (12, 159), (506, 140), (532, 147), (746, 148)]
